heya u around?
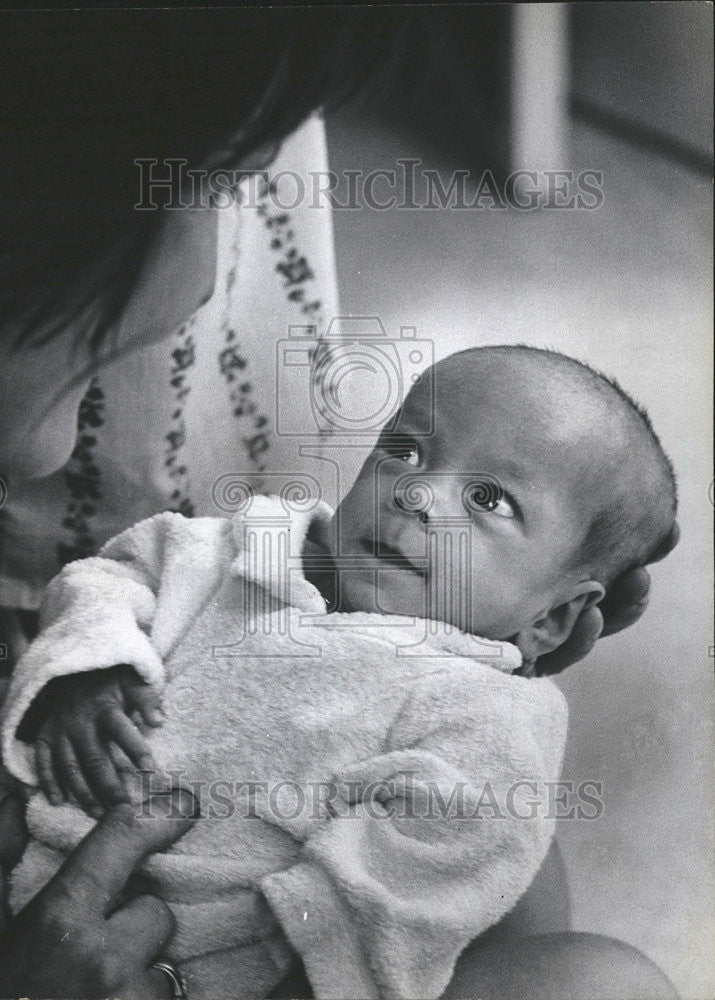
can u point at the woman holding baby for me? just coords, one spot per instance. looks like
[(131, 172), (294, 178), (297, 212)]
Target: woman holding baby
[(136, 366)]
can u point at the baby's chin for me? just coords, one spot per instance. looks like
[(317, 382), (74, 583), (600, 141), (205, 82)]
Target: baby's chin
[(396, 592), (400, 593), (385, 592)]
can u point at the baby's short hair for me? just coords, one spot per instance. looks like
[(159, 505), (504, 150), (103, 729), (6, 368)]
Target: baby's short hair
[(625, 532), (614, 544)]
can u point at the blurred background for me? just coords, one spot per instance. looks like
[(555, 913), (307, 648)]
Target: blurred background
[(624, 89)]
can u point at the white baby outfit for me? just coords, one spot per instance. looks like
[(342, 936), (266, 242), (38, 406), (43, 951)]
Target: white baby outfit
[(359, 774)]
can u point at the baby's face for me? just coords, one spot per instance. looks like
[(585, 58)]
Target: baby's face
[(475, 523)]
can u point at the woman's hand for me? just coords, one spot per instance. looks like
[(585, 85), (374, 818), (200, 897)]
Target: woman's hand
[(13, 837), (77, 938), (623, 605)]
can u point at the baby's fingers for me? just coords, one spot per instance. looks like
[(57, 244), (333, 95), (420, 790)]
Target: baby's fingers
[(119, 728), (70, 776), (143, 698), (99, 770), (45, 767)]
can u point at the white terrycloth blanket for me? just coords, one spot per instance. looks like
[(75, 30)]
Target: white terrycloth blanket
[(367, 782)]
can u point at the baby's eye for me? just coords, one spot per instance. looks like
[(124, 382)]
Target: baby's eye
[(502, 508), (486, 496), (404, 448)]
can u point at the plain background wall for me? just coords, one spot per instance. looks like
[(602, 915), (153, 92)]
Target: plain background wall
[(647, 66), (628, 288)]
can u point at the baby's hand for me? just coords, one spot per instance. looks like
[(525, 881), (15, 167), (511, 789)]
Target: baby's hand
[(87, 712)]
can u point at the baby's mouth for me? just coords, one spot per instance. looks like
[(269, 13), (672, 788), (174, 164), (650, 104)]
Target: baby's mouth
[(388, 554)]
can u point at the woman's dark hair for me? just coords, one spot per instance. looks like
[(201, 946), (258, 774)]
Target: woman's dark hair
[(86, 93)]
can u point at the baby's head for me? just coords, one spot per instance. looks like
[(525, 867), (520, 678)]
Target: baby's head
[(507, 500)]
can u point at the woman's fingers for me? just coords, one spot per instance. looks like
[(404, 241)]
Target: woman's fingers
[(45, 767), (94, 875), (148, 922), (13, 831), (152, 984), (626, 600), (70, 777), (13, 837), (119, 728)]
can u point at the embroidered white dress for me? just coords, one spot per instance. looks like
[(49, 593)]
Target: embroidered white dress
[(164, 428)]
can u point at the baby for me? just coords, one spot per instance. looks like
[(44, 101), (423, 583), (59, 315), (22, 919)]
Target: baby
[(356, 688)]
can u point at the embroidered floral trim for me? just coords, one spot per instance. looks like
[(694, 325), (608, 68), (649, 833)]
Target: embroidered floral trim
[(297, 274), (233, 364), (183, 357), (83, 480)]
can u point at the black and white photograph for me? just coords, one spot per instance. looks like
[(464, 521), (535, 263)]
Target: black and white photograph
[(356, 501)]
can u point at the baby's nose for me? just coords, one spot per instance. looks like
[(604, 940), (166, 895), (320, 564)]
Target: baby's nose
[(414, 495), (402, 504), (434, 499)]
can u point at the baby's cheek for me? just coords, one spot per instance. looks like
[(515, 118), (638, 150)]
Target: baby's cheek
[(497, 607)]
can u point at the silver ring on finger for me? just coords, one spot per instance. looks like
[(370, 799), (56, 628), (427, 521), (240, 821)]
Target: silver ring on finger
[(176, 980)]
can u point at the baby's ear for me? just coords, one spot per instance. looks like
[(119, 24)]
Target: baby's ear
[(553, 629)]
